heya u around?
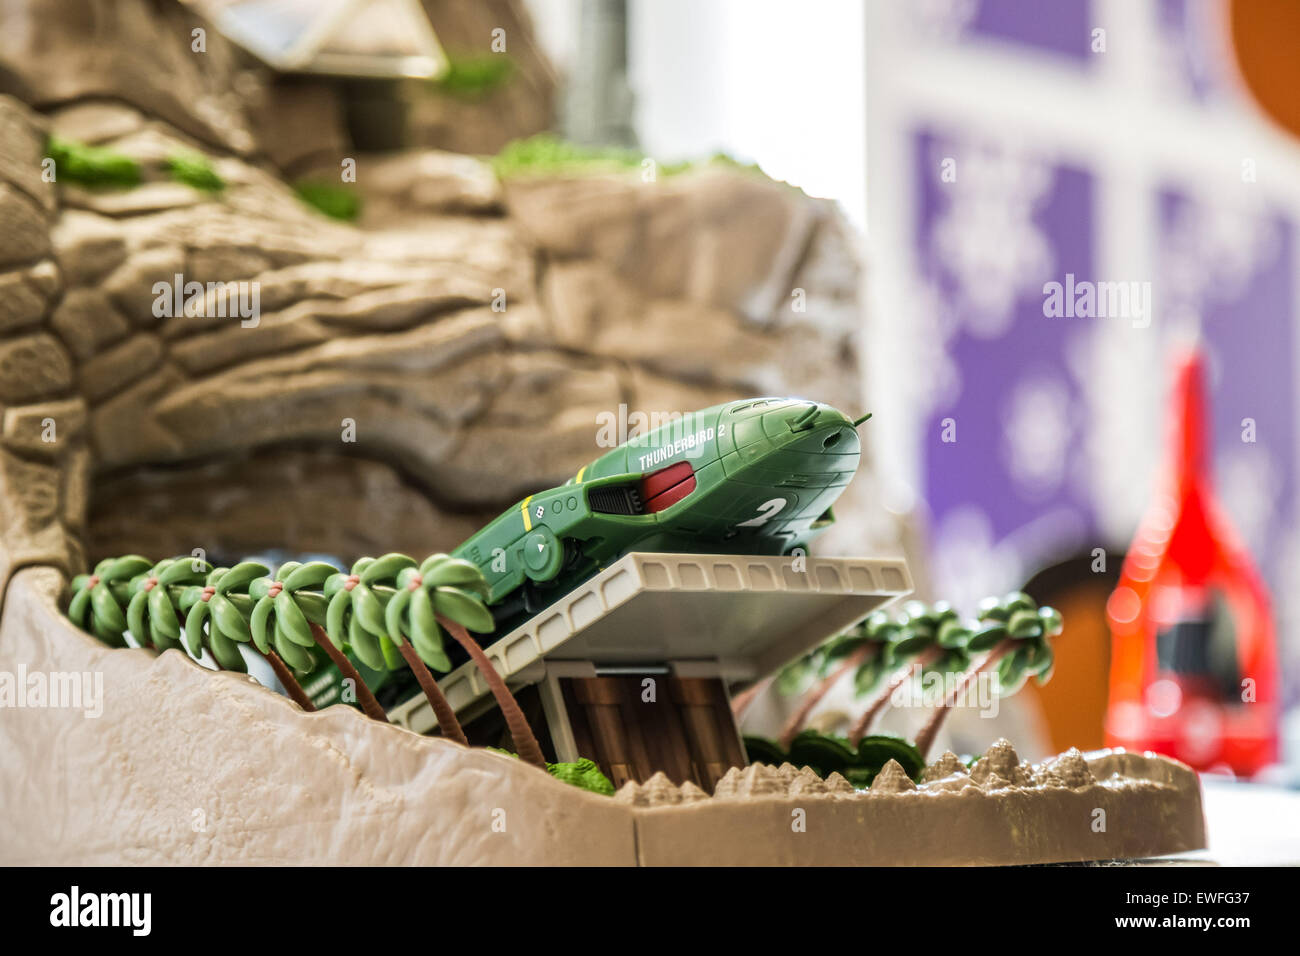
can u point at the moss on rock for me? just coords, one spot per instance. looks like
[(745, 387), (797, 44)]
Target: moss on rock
[(194, 169), (474, 77), (93, 166), (335, 201), (548, 154)]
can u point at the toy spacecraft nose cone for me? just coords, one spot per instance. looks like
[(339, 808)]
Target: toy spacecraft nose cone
[(814, 428), (807, 418)]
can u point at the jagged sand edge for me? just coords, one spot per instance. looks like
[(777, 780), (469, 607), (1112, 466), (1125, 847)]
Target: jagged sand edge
[(1074, 807), (190, 767)]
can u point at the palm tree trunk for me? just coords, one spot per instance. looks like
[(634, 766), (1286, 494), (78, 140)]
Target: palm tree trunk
[(901, 677), (925, 739), (288, 681), (820, 690), (447, 722), (526, 743), (740, 703), (364, 697)]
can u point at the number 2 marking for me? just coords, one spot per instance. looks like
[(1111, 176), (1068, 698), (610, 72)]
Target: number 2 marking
[(766, 512)]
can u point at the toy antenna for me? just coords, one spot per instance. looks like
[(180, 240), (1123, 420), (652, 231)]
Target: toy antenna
[(859, 421)]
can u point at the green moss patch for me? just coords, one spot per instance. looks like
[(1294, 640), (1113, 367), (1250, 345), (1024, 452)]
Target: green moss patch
[(335, 201), (99, 167), (194, 169), (474, 77), (582, 773), (92, 166), (548, 154)]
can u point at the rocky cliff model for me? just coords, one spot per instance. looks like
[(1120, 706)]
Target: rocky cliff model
[(458, 345)]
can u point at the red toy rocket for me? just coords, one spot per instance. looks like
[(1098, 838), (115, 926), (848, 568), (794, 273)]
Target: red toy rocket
[(1194, 656)]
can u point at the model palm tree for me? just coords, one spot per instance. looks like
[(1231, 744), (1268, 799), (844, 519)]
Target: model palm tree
[(857, 650), (386, 611), (740, 703), (446, 593), (99, 599), (923, 638), (287, 615), (357, 607), (1014, 636), (153, 615), (283, 611), (217, 613)]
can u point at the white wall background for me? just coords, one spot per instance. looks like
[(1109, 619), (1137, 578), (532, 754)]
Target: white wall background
[(775, 82)]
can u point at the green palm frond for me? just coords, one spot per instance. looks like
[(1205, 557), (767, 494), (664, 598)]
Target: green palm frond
[(224, 605), (1018, 617), (440, 585), (154, 614), (99, 599), (355, 614), (284, 609)]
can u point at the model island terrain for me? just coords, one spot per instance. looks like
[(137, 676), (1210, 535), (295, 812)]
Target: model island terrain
[(256, 323), (753, 478)]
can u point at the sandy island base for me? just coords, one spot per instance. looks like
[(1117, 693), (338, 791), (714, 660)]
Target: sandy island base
[(184, 766)]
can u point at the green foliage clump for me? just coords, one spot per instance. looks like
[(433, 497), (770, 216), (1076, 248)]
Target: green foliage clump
[(1016, 617), (335, 201), (93, 166), (476, 76), (548, 154), (582, 773), (103, 168), (948, 643), (194, 169), (825, 754)]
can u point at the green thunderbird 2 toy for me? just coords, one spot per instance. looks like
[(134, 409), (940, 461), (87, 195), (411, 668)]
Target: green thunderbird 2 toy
[(756, 476)]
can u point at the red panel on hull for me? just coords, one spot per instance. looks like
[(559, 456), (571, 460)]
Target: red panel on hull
[(667, 486)]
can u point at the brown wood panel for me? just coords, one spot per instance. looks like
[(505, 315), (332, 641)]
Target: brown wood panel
[(601, 700), (711, 737), (686, 731)]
